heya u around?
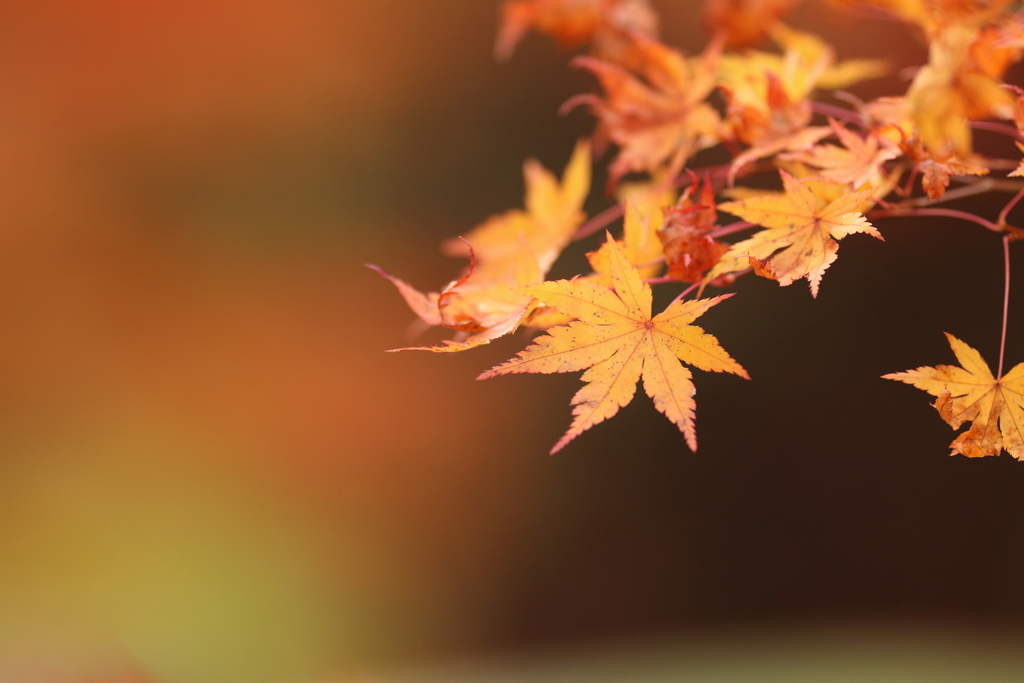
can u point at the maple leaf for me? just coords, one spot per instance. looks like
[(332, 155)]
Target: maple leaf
[(689, 251), (767, 94), (937, 168), (553, 212), (744, 22), (858, 161), (643, 217), (614, 338), (639, 244), (654, 110), (953, 89), (971, 393), (933, 15), (802, 228), (512, 249), (572, 22)]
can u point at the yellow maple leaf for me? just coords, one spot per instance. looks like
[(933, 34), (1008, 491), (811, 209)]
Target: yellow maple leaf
[(615, 338), (802, 227), (507, 251), (971, 393), (953, 89), (553, 212)]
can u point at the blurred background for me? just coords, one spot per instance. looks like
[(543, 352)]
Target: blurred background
[(211, 471)]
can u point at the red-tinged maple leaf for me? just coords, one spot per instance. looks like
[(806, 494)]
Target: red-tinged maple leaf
[(743, 22), (689, 251), (857, 162), (572, 22), (615, 339), (971, 393), (802, 227), (510, 250), (770, 121), (654, 110)]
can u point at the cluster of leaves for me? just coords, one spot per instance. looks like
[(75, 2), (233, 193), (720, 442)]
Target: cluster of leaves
[(840, 166)]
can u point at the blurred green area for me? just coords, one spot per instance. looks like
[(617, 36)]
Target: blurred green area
[(210, 471)]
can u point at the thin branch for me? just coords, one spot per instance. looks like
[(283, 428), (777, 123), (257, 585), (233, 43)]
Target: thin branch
[(1006, 303), (686, 291), (616, 211), (730, 229), (1009, 207), (600, 220), (995, 127), (947, 213), (837, 113)]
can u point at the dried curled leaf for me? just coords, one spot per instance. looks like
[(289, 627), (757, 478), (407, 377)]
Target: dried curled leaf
[(614, 338), (971, 393), (689, 250)]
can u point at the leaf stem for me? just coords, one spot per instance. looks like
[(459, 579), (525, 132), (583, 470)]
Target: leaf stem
[(1006, 303)]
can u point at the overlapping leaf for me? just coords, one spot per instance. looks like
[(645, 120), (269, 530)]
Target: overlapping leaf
[(801, 229), (573, 22), (513, 249), (971, 393), (614, 338), (653, 108)]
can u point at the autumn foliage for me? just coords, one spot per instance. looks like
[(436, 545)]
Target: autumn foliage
[(763, 100)]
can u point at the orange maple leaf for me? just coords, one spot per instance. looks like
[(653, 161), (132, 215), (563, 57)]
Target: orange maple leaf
[(744, 22), (655, 111), (614, 335), (572, 22), (971, 393), (802, 227)]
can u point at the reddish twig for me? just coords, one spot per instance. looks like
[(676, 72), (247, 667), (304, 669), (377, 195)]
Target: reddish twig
[(1009, 207), (948, 213), (731, 228), (685, 292), (995, 127), (837, 113), (1006, 303)]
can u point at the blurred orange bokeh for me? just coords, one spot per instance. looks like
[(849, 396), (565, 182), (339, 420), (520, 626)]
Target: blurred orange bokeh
[(209, 468)]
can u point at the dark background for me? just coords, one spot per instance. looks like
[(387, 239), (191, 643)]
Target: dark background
[(209, 469)]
